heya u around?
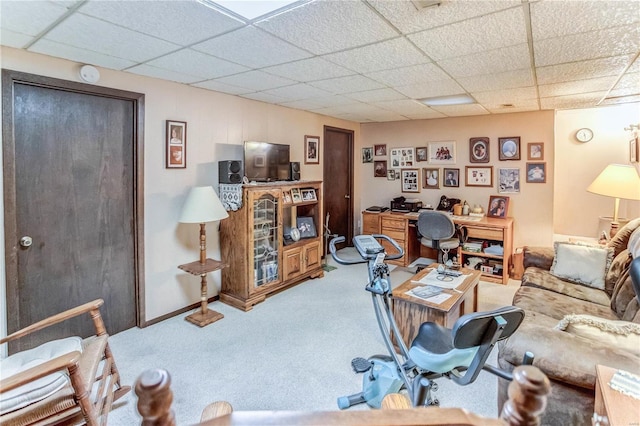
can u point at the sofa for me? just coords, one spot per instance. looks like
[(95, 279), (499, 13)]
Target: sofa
[(572, 324)]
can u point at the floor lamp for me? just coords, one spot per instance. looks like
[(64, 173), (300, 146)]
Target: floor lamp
[(203, 205), (617, 181)]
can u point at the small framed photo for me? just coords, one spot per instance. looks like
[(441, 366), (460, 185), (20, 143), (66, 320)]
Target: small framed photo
[(295, 195), (311, 149), (451, 178), (391, 174), (380, 150), (176, 144), (431, 178), (536, 172), (286, 196), (509, 148), (379, 168), (442, 152), (410, 180), (402, 157), (479, 150), (479, 176), (308, 194), (535, 151), (367, 155), (634, 151), (422, 154), (306, 227), (508, 180), (498, 206)]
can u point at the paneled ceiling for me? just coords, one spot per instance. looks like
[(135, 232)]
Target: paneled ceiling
[(365, 60)]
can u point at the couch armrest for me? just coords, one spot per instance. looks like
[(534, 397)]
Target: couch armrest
[(564, 357), (541, 257)]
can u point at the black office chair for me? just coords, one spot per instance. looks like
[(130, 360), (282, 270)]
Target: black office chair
[(437, 230)]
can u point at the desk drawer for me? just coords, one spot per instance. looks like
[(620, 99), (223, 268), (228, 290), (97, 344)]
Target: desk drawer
[(394, 223), (399, 236), (485, 233)]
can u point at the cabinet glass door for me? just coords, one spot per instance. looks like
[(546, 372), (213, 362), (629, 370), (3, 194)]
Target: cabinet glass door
[(266, 234)]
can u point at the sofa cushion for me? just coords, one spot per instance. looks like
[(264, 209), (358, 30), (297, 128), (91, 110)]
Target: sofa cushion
[(621, 240), (539, 278), (622, 334), (581, 263), (556, 305)]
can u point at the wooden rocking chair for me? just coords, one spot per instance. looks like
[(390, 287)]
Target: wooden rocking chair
[(66, 381)]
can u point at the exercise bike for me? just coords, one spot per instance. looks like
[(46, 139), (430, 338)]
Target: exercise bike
[(459, 353)]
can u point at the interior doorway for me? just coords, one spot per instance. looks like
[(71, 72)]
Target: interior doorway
[(73, 203), (338, 181)]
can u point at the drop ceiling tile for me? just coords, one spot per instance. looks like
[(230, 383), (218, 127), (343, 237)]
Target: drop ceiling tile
[(309, 70), (14, 39), (508, 96), (493, 61), (405, 16), (522, 106), (426, 115), (263, 97), (630, 82), (29, 17), (577, 87), (585, 100), (498, 81), (332, 100), (198, 64), (77, 54), (591, 45), (416, 74), (379, 56), (349, 84), (298, 92), (180, 22), (404, 107), (98, 36), (164, 74), (222, 87), (256, 81), (431, 89), (635, 67), (559, 18), (461, 110), (487, 32), (583, 70), (251, 47), (322, 27), (307, 104), (376, 95), (385, 116), (621, 100)]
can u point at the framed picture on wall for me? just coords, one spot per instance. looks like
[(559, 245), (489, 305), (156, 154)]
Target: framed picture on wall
[(508, 180), (535, 151), (634, 151), (176, 144), (479, 176), (311, 149), (509, 148), (410, 179), (479, 150), (536, 172), (367, 155), (402, 157), (379, 168), (442, 152), (380, 150), (451, 178), (422, 154), (431, 178)]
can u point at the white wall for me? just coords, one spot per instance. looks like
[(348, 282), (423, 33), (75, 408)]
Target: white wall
[(214, 122)]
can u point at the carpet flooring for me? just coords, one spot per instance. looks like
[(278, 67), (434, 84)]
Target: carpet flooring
[(290, 352)]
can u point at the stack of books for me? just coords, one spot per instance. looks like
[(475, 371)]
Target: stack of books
[(474, 247)]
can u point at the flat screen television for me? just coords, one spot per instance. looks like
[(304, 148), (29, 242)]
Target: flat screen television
[(266, 162)]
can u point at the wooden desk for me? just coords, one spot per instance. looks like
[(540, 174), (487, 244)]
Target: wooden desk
[(618, 408), (402, 228), (410, 312)]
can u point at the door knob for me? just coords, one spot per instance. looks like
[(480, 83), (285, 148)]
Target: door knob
[(26, 241), (347, 196)]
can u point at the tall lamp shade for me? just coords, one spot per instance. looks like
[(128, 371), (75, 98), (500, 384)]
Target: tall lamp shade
[(617, 181), (202, 205)]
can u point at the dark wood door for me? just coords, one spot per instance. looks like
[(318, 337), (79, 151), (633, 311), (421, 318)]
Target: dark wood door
[(338, 181), (72, 194)]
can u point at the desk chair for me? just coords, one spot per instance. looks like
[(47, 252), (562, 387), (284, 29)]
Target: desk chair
[(437, 230)]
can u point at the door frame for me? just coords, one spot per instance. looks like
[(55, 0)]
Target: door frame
[(11, 77), (350, 137)]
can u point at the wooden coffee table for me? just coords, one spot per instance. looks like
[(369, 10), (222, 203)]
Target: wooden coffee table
[(616, 407), (410, 312)]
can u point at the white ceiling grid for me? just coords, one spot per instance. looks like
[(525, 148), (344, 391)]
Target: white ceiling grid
[(361, 60)]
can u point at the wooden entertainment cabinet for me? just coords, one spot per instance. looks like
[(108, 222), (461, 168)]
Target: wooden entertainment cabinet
[(252, 241), (402, 228)]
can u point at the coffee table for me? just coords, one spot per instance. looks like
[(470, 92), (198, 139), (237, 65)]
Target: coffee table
[(410, 311)]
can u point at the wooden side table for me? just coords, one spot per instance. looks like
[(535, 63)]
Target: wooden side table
[(204, 316), (612, 407)]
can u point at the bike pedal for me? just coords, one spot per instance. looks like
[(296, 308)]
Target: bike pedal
[(360, 365)]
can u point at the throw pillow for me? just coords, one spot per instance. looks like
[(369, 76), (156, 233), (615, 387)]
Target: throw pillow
[(581, 263), (620, 334)]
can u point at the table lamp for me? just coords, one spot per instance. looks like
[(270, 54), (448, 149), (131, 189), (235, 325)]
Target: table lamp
[(202, 205), (617, 181)]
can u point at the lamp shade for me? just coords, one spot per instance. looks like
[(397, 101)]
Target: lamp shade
[(202, 205), (618, 181)]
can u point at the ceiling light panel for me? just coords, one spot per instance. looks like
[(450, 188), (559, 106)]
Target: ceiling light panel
[(379, 56), (180, 22), (591, 45), (321, 27), (488, 32), (350, 84), (311, 69), (251, 47), (498, 81), (582, 70), (404, 16), (494, 61), (256, 80), (99, 36), (59, 50)]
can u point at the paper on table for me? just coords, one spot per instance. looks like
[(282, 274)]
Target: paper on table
[(432, 279), (439, 298)]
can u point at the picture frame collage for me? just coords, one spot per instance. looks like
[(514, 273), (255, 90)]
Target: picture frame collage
[(298, 195)]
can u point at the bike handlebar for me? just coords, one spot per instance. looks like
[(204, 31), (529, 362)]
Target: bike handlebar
[(341, 239)]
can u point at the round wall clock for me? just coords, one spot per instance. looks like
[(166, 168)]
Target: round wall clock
[(584, 135)]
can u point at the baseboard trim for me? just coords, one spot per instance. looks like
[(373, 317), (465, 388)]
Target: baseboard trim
[(178, 312)]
